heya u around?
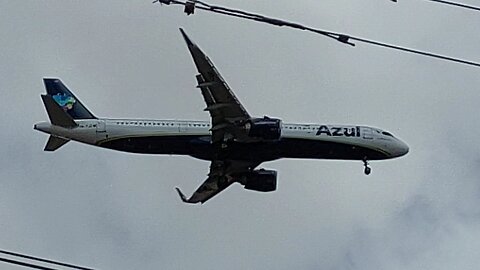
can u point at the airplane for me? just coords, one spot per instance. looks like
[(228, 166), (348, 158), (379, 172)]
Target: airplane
[(233, 141)]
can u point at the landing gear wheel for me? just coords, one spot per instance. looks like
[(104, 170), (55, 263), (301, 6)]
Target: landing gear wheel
[(367, 170)]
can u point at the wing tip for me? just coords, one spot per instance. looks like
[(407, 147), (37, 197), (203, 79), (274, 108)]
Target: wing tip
[(182, 196), (186, 37)]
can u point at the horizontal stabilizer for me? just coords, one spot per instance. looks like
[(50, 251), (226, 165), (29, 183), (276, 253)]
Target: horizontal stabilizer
[(54, 143), (56, 114)]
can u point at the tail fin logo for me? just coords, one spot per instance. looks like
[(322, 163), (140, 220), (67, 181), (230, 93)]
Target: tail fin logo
[(66, 102)]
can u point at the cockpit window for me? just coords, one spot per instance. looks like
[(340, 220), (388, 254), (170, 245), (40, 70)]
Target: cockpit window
[(387, 134)]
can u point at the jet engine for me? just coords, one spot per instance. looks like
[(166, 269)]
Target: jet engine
[(261, 180), (264, 128)]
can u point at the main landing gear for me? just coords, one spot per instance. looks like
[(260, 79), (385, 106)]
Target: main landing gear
[(367, 170)]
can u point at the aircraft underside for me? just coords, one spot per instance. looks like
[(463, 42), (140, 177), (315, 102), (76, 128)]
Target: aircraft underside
[(201, 148)]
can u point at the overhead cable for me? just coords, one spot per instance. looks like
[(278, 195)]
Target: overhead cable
[(191, 5), (455, 4), (37, 259), (24, 264)]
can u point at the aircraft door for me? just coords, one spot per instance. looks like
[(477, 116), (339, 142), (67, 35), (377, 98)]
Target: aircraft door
[(101, 126), (367, 133), (101, 130)]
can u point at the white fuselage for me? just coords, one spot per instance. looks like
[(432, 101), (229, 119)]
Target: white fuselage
[(107, 132)]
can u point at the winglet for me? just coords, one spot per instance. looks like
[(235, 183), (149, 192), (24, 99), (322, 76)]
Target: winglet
[(182, 196)]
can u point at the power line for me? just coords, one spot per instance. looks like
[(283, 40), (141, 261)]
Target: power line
[(455, 4), (24, 264), (191, 5), (37, 259)]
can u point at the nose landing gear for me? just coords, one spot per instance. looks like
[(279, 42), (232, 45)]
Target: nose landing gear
[(367, 170)]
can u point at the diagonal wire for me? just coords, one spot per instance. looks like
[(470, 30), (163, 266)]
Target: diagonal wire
[(343, 38), (24, 264), (41, 260), (455, 4), (428, 54)]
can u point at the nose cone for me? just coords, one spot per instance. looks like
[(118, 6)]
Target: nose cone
[(400, 149)]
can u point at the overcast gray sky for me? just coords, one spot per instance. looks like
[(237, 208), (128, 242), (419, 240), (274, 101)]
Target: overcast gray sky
[(112, 210)]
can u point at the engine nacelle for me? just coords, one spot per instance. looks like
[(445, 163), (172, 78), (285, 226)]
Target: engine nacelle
[(261, 180), (264, 128)]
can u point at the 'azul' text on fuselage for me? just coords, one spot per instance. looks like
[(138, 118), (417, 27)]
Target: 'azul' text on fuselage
[(338, 131)]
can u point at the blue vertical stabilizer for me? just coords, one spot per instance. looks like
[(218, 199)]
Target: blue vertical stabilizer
[(66, 99)]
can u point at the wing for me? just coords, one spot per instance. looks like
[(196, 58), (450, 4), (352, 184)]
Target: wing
[(226, 111), (222, 175)]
